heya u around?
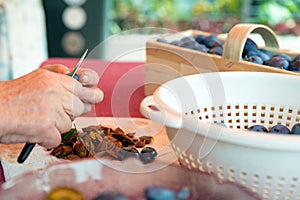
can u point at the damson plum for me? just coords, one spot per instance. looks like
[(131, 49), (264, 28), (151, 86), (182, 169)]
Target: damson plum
[(249, 45), (162, 40), (150, 193), (217, 50), (277, 62), (255, 59), (198, 47), (175, 42), (183, 194), (258, 128), (258, 52), (266, 52), (187, 41), (127, 152), (280, 129), (212, 41), (200, 38), (159, 193), (295, 64), (297, 58), (285, 56), (296, 129), (148, 154), (110, 195)]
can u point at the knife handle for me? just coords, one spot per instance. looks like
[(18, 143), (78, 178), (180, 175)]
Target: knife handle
[(25, 152), (75, 76)]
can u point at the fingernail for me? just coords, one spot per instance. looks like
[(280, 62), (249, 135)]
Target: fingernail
[(85, 79), (100, 95)]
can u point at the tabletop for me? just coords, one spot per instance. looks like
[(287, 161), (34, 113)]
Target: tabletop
[(121, 82)]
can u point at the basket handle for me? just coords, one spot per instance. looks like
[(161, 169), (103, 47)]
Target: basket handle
[(236, 38), (152, 110)]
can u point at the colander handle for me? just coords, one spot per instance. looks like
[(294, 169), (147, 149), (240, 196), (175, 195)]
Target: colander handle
[(237, 36), (152, 110)]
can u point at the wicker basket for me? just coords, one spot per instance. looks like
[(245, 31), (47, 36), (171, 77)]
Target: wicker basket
[(165, 62), (192, 106)]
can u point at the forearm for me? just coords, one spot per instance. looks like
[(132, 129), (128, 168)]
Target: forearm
[(6, 113)]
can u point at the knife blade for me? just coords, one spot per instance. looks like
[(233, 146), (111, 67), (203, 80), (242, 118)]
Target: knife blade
[(29, 146), (73, 73)]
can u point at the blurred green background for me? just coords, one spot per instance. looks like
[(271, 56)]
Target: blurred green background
[(217, 16)]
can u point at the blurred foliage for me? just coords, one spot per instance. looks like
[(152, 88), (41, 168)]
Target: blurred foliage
[(218, 7), (278, 11), (128, 14), (207, 15), (283, 16)]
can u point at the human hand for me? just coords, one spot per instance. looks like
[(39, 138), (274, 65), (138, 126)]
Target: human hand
[(88, 77), (39, 106)]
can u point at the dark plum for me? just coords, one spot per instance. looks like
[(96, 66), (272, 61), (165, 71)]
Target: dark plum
[(148, 154), (200, 38), (127, 152), (255, 59), (159, 193), (217, 50), (187, 41), (110, 195), (280, 129), (297, 58), (175, 42), (277, 62), (251, 52), (264, 56), (295, 64), (296, 129), (212, 41), (183, 194), (249, 45), (162, 40), (258, 128), (265, 52), (285, 56), (198, 47)]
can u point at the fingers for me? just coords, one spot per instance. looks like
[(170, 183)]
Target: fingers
[(52, 134), (63, 125), (53, 139), (77, 107), (91, 95), (58, 68), (88, 77), (85, 94), (63, 122)]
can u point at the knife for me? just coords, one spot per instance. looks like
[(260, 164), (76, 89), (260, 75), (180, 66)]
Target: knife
[(73, 73), (29, 146)]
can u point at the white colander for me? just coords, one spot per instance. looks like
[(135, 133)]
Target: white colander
[(193, 106)]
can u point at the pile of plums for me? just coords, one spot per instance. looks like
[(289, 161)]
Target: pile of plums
[(213, 45), (276, 129)]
